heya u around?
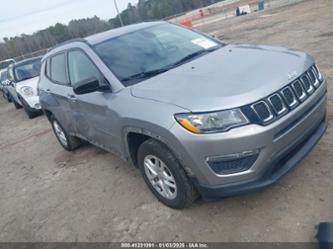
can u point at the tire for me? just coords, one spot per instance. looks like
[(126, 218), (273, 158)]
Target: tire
[(31, 114), (28, 110), (70, 143), (17, 105), (180, 191), (9, 99)]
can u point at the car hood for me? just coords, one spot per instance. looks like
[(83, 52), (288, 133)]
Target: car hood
[(232, 76), (33, 82)]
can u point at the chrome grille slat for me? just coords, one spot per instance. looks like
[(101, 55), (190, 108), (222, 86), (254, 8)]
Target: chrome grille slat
[(317, 82), (280, 103), (306, 81), (299, 90), (258, 109), (289, 96), (277, 104)]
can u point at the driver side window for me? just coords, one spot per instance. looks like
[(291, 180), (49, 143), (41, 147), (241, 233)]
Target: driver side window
[(81, 68)]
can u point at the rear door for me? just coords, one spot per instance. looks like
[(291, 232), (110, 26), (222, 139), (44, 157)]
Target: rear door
[(94, 119), (57, 92)]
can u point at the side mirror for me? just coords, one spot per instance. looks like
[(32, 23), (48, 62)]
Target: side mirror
[(88, 86)]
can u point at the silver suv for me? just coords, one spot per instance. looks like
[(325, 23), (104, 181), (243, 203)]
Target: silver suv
[(197, 116)]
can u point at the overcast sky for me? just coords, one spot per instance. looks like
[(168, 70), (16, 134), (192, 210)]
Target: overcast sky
[(27, 16)]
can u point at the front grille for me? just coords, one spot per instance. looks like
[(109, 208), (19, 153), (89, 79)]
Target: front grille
[(305, 79), (263, 111), (281, 102), (289, 97), (277, 104), (299, 90)]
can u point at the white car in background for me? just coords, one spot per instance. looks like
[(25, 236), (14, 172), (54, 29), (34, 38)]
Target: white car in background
[(23, 77)]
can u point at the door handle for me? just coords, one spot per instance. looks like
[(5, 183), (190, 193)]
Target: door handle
[(48, 91), (72, 97)]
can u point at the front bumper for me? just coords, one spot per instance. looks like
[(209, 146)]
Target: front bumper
[(32, 102), (277, 168), (301, 128)]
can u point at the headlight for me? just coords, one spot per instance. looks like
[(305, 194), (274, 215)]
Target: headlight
[(212, 122), (28, 91)]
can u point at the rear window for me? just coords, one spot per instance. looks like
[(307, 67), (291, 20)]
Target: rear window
[(58, 69)]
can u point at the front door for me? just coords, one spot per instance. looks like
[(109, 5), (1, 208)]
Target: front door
[(94, 120)]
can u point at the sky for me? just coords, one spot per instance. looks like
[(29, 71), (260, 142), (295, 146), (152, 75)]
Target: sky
[(27, 16)]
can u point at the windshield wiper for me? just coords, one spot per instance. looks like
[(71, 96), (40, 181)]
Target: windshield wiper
[(192, 56), (145, 75), (149, 74)]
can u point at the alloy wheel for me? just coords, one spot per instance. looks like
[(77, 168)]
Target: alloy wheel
[(160, 177), (60, 133)]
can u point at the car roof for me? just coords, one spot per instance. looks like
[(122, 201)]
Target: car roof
[(103, 36), (7, 60), (100, 37), (22, 62)]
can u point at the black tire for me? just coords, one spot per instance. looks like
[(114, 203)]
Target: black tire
[(186, 193), (17, 105), (72, 142), (9, 99), (28, 110), (31, 114)]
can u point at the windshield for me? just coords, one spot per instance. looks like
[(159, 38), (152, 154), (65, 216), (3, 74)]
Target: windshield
[(145, 53), (28, 70), (6, 63)]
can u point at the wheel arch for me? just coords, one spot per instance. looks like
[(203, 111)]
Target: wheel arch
[(135, 136)]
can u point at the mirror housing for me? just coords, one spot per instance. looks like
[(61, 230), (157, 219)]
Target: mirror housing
[(88, 86)]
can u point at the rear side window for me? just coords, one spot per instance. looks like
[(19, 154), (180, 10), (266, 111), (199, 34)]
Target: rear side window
[(81, 67), (58, 69)]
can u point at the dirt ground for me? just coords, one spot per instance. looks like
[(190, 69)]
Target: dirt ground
[(48, 194)]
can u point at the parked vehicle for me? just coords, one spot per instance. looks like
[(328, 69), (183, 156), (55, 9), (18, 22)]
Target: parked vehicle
[(194, 114), (243, 10), (23, 77), (5, 63), (3, 77), (4, 84)]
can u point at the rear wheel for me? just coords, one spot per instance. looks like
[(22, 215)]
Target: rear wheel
[(67, 141), (164, 175)]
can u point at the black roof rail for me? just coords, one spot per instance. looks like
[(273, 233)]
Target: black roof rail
[(66, 42)]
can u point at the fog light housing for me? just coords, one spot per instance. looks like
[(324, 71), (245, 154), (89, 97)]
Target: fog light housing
[(233, 163)]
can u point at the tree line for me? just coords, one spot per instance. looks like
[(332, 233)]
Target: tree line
[(145, 10)]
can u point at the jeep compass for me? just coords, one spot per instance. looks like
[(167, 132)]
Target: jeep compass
[(195, 115)]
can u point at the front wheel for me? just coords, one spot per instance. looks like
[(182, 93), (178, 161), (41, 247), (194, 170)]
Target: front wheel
[(164, 175), (17, 105), (67, 141)]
